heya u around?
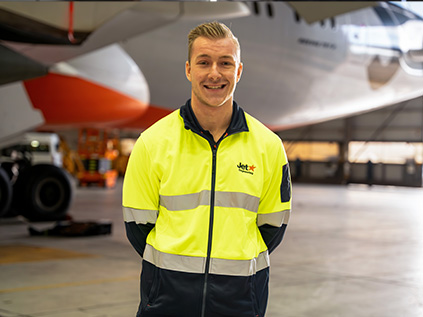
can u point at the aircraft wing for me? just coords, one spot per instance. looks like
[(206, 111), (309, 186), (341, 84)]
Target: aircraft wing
[(75, 28), (313, 11), (40, 43)]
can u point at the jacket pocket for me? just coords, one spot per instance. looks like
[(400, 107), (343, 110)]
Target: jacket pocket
[(149, 284), (255, 298), (171, 293), (231, 296), (261, 291), (154, 287)]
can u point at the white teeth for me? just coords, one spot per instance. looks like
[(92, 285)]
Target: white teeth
[(214, 87)]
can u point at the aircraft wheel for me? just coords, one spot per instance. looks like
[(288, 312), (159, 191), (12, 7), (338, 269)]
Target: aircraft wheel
[(47, 193), (5, 192)]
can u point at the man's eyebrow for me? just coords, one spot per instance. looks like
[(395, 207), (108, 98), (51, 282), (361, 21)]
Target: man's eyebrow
[(227, 56), (202, 56), (220, 57)]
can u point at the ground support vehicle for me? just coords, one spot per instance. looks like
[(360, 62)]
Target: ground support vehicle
[(32, 180)]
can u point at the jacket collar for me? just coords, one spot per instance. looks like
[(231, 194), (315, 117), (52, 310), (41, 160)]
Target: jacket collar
[(238, 122)]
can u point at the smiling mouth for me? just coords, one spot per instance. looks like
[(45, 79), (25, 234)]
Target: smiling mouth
[(214, 86)]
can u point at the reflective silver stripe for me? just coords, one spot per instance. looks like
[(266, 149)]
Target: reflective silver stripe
[(240, 267), (139, 215), (237, 200), (185, 202), (223, 199), (275, 219), (191, 264)]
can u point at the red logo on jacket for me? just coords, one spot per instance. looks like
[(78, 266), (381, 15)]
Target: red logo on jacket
[(245, 168)]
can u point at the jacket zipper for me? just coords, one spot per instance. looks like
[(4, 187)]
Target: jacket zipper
[(214, 147)]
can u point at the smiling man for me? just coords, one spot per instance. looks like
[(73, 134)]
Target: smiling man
[(207, 195), (213, 68)]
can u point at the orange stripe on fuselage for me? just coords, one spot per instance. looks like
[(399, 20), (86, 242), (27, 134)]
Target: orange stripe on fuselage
[(73, 101), (152, 115)]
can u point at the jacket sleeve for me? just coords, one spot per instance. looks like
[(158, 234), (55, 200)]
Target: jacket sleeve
[(275, 204), (140, 196)]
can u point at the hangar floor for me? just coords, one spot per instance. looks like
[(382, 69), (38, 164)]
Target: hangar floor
[(349, 251)]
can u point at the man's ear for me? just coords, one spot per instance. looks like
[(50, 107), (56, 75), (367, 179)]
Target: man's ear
[(239, 73), (188, 70)]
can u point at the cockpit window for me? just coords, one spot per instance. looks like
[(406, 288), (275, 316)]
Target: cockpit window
[(401, 17), (407, 13), (384, 16), (401, 14)]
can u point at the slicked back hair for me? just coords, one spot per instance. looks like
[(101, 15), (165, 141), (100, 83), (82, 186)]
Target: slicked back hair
[(211, 30)]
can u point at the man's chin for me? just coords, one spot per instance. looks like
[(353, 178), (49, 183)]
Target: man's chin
[(216, 103)]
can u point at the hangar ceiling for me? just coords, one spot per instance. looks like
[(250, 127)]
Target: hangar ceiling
[(401, 122)]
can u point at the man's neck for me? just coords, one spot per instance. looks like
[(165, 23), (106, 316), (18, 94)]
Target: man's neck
[(216, 120)]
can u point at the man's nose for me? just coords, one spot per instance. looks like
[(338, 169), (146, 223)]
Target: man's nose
[(214, 72)]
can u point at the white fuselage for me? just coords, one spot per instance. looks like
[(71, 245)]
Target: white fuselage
[(294, 73)]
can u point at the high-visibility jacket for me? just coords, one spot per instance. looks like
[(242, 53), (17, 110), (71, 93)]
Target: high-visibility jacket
[(205, 215)]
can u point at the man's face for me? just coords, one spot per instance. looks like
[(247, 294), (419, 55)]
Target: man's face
[(214, 71)]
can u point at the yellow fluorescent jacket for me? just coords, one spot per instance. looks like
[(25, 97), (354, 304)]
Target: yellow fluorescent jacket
[(170, 182)]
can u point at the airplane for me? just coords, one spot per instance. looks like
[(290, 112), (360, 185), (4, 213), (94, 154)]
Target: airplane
[(297, 73), (61, 67), (122, 66)]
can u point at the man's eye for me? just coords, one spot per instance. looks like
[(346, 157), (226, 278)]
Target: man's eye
[(202, 63)]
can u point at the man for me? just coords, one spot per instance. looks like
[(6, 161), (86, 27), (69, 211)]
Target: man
[(207, 194)]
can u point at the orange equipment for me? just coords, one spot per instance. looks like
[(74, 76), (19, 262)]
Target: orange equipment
[(97, 152)]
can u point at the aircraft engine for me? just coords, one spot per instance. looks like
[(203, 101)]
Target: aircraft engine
[(411, 44)]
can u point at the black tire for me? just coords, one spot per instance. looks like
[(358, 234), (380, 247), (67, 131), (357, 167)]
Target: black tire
[(45, 193), (5, 192)]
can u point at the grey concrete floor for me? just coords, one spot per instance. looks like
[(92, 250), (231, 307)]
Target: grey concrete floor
[(348, 251)]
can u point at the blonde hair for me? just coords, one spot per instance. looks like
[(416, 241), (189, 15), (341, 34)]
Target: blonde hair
[(211, 30)]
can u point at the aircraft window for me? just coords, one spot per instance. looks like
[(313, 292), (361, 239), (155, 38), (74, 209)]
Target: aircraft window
[(384, 16), (332, 23), (256, 8), (270, 10), (297, 17), (404, 13), (400, 17)]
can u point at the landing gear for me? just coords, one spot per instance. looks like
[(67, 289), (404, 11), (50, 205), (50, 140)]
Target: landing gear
[(42, 193)]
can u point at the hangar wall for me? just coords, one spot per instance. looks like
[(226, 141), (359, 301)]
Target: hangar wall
[(335, 151)]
